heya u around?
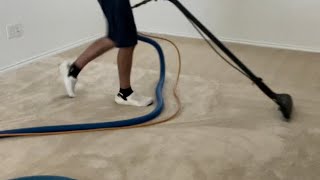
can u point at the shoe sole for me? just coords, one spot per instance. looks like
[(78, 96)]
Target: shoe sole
[(123, 102)]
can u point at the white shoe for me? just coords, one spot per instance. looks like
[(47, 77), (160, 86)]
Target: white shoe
[(69, 81), (134, 100)]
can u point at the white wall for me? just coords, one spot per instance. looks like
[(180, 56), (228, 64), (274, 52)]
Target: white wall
[(293, 24), (49, 25)]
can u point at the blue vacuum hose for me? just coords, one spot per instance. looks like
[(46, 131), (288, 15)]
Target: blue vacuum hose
[(104, 125), (43, 178)]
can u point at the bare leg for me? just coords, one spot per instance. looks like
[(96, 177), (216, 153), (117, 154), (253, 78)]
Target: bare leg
[(125, 56), (93, 51)]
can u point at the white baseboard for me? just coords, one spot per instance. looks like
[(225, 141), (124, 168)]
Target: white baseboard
[(249, 42), (49, 53), (271, 45)]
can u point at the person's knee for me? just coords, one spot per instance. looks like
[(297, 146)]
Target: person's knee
[(104, 43), (130, 48), (108, 42)]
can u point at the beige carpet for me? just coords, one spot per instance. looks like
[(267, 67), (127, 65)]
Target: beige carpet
[(227, 130)]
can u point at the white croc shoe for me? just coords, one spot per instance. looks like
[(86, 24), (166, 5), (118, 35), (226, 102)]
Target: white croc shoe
[(134, 100), (69, 81)]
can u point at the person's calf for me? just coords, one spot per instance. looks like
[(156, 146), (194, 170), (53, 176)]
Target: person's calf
[(95, 50), (125, 58)]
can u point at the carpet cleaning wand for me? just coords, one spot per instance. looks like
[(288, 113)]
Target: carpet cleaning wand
[(142, 3), (284, 101)]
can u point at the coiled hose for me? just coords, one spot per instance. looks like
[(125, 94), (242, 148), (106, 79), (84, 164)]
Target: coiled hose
[(114, 125)]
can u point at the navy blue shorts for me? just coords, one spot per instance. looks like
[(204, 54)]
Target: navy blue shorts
[(122, 29)]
